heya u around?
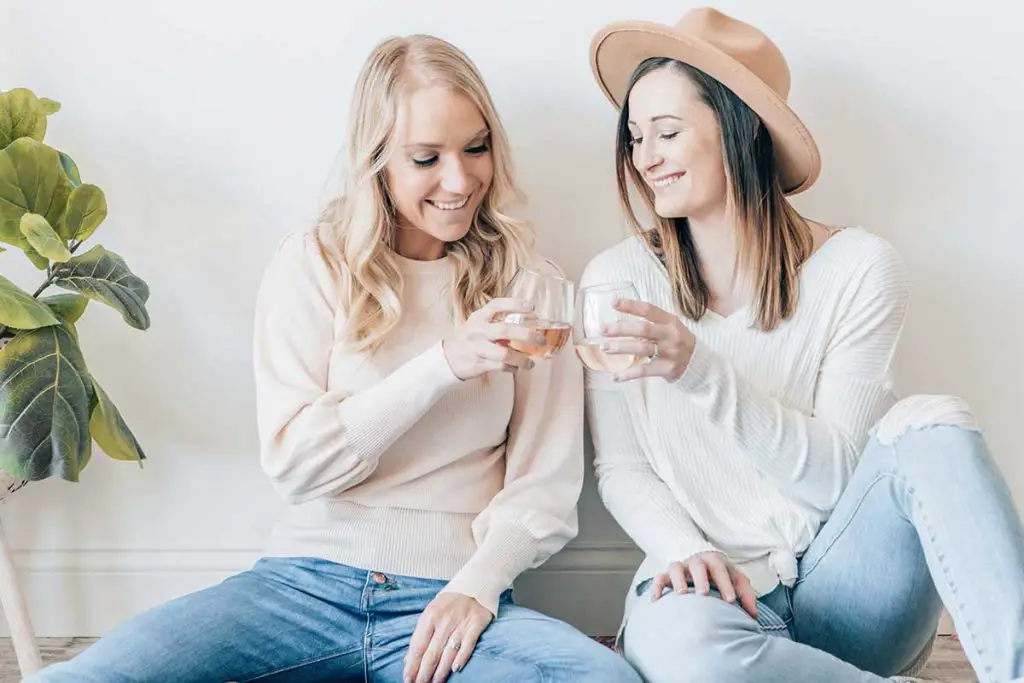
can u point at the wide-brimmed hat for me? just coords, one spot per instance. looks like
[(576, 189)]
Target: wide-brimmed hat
[(738, 55)]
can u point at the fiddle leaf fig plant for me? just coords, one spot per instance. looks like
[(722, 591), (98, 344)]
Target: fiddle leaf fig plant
[(52, 408)]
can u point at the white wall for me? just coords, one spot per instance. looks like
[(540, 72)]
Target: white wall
[(213, 126)]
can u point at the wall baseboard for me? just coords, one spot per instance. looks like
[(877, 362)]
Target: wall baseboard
[(88, 592)]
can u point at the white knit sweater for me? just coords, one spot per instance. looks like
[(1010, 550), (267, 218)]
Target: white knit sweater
[(750, 450)]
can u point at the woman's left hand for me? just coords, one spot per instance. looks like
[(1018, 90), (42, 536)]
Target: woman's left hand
[(661, 342), (445, 637)]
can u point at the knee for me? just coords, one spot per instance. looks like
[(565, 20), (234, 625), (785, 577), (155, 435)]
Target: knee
[(921, 411), (690, 638)]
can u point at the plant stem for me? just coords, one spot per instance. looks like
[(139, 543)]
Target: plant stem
[(49, 271), (47, 282)]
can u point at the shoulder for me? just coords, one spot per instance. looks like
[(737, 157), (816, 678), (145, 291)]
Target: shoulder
[(861, 247), (628, 260), (298, 265), (866, 257), (868, 273)]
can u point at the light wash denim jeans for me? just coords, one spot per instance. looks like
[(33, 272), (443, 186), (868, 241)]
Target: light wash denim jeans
[(927, 519), (303, 619)]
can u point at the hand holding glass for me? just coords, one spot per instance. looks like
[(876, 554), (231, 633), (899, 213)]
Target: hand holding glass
[(594, 310), (552, 298)]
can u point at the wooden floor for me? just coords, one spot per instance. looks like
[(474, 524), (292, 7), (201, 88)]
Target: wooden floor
[(947, 663)]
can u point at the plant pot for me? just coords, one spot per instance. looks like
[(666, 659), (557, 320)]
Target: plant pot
[(11, 598)]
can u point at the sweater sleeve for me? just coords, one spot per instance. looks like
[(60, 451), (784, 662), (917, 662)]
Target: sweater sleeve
[(534, 515), (317, 441), (639, 500), (813, 456)]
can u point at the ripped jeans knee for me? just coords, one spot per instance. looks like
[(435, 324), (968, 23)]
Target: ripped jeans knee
[(921, 411)]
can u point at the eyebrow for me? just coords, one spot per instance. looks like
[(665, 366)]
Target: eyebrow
[(659, 117), (437, 145)]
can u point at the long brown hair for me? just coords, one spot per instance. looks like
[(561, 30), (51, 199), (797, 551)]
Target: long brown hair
[(774, 239), (356, 232)]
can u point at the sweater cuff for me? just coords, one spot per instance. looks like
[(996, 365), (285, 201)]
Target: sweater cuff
[(695, 376), (494, 566), (681, 550), (438, 371)]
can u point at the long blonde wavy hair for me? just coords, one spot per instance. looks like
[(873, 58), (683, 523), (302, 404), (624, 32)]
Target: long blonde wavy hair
[(356, 232)]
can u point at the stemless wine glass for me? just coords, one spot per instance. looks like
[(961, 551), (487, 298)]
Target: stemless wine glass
[(594, 310), (552, 297)]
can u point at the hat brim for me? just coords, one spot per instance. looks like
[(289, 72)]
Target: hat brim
[(619, 48)]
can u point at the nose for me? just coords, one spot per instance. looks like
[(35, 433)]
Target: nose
[(650, 159), (455, 179)]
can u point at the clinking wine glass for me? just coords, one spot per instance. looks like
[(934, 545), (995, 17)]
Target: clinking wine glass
[(552, 297), (594, 310)]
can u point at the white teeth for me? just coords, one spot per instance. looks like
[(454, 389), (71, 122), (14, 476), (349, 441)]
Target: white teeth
[(450, 206), (665, 182)]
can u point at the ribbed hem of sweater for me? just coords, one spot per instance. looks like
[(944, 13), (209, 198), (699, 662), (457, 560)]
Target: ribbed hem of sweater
[(416, 543)]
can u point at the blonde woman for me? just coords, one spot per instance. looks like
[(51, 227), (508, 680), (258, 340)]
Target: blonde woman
[(800, 523), (426, 464)]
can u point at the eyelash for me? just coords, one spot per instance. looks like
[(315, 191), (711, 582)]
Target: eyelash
[(663, 136), (478, 150)]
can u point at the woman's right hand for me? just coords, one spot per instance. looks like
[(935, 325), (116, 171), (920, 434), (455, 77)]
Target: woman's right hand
[(703, 570), (474, 348)]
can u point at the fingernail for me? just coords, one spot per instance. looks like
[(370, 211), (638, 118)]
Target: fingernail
[(528, 305)]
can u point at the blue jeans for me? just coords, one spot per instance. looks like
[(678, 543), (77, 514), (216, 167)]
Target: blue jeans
[(303, 619), (926, 519)]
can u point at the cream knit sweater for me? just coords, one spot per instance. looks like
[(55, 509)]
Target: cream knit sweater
[(750, 450), (389, 461)]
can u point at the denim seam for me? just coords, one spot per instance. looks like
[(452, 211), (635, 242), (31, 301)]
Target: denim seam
[(940, 556), (840, 533), (368, 648), (307, 662)]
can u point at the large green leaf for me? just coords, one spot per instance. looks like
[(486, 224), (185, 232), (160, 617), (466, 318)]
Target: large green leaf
[(45, 400), (43, 238), (68, 307), (20, 311), (111, 432), (70, 168), (32, 180), (22, 114), (85, 210), (104, 276)]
